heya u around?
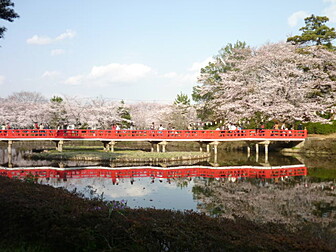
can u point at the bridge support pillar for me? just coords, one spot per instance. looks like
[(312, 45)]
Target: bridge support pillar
[(266, 143), (215, 146), (111, 145), (248, 151), (9, 153), (163, 144), (200, 146), (59, 145), (216, 160), (208, 148), (152, 146), (153, 143), (10, 164), (106, 145), (266, 149), (9, 147)]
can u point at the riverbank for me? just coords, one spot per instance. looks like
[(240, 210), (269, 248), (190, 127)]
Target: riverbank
[(37, 217), (315, 144)]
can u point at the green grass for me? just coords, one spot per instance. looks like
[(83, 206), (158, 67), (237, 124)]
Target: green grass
[(143, 154), (323, 174), (95, 154)]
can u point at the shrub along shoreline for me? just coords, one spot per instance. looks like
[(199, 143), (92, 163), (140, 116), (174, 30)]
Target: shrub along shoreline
[(320, 128), (38, 217)]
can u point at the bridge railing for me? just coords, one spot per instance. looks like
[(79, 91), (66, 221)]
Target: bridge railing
[(153, 134)]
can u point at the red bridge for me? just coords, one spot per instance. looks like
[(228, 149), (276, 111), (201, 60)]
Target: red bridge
[(155, 137)]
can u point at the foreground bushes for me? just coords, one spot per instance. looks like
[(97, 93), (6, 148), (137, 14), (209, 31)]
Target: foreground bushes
[(40, 218)]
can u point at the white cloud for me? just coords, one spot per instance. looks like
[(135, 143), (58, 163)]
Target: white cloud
[(39, 40), (170, 75), (74, 80), (68, 34), (181, 78), (189, 77), (196, 66), (116, 73), (122, 192), (111, 73), (296, 17), (120, 72), (56, 52), (2, 79), (44, 40), (330, 11), (50, 74)]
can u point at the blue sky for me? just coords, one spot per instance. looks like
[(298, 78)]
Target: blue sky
[(135, 50)]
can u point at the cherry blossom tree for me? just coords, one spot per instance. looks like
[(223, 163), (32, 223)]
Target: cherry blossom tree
[(282, 81), (180, 116), (27, 97), (102, 113), (221, 63), (23, 109), (145, 113)]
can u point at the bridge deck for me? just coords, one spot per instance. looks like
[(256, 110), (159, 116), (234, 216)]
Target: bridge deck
[(154, 135)]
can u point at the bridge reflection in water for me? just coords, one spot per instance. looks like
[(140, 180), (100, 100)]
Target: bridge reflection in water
[(157, 172), (149, 186)]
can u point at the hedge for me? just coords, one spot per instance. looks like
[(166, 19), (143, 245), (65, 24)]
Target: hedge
[(320, 128)]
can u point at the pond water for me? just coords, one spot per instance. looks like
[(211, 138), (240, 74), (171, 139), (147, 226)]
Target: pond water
[(278, 188)]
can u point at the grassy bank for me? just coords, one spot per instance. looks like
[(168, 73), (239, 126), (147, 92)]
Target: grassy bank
[(95, 154), (313, 145), (317, 144), (41, 218)]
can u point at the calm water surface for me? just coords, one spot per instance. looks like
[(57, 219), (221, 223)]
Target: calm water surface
[(279, 188)]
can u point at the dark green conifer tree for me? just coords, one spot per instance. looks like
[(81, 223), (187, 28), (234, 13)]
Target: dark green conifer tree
[(315, 32), (6, 13)]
